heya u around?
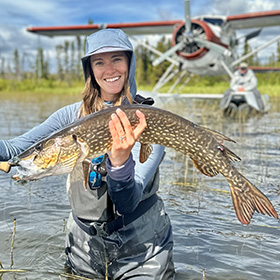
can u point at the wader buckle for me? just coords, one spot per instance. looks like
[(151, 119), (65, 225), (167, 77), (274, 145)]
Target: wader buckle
[(100, 228)]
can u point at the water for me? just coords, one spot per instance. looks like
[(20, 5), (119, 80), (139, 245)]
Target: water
[(209, 240)]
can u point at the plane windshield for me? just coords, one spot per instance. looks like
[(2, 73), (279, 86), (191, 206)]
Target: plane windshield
[(214, 21)]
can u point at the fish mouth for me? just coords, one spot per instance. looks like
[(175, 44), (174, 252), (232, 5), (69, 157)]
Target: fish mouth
[(25, 169), (23, 174)]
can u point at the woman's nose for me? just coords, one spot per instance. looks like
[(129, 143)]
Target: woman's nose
[(109, 68)]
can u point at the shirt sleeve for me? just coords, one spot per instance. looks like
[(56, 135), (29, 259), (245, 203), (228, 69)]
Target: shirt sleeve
[(59, 119), (235, 83), (126, 184), (252, 81)]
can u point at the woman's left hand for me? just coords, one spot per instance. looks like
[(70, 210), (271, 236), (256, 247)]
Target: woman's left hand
[(124, 136)]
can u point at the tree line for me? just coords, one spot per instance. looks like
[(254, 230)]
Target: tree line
[(68, 66)]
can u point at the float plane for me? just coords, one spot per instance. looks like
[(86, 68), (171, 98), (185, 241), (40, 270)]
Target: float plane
[(203, 45)]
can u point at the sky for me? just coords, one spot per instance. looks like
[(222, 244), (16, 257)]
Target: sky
[(17, 15)]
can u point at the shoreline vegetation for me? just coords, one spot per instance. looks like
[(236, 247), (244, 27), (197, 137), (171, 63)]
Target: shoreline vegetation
[(34, 76), (268, 83)]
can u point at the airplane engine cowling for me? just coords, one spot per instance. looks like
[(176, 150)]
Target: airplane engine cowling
[(193, 50)]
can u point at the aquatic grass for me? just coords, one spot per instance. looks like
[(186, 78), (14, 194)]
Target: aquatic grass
[(238, 129), (69, 276), (11, 270), (2, 269)]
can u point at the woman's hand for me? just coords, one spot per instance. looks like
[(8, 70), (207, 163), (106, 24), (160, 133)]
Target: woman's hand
[(5, 166), (124, 136)]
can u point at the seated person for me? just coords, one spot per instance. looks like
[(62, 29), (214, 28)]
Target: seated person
[(243, 79)]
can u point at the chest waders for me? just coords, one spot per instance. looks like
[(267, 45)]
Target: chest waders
[(97, 178)]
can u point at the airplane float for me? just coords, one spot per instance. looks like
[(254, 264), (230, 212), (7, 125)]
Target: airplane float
[(203, 45)]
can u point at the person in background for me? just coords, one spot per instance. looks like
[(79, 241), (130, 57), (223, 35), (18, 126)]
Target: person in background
[(244, 80), (118, 227)]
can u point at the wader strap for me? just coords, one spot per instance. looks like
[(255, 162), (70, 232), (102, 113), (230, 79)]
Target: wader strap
[(93, 228), (84, 225), (139, 99), (126, 219)]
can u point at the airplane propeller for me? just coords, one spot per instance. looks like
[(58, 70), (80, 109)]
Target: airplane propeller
[(168, 53), (191, 39), (179, 45), (188, 22), (210, 45)]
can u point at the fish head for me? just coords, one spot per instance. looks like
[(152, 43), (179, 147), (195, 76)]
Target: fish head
[(54, 156)]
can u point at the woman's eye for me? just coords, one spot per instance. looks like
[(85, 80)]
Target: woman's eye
[(117, 59), (98, 63)]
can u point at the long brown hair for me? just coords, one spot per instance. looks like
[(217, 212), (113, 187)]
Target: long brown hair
[(92, 100)]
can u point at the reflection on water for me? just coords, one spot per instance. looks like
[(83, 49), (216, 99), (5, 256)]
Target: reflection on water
[(207, 233)]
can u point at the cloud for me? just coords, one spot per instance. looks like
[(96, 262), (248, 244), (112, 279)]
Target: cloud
[(17, 15)]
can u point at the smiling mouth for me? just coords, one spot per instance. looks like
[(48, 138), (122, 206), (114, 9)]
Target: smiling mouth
[(112, 79)]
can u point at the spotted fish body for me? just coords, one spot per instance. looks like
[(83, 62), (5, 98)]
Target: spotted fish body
[(90, 137)]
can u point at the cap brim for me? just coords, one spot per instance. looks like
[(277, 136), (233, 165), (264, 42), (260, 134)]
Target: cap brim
[(109, 49), (105, 50)]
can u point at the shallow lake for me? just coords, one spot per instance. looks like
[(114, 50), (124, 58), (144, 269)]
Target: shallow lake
[(209, 241)]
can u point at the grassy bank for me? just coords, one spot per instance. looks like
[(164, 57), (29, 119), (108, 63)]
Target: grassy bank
[(41, 86), (267, 83)]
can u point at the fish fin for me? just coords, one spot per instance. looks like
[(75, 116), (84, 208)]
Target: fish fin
[(84, 148), (145, 151), (207, 170), (247, 199), (86, 169), (219, 136), (230, 155)]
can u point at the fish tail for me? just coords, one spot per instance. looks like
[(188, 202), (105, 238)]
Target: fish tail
[(247, 199)]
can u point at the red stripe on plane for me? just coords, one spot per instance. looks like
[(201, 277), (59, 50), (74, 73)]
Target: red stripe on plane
[(109, 25), (254, 15)]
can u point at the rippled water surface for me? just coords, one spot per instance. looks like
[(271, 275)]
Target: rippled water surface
[(209, 241)]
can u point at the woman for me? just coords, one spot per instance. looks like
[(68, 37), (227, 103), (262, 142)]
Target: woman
[(118, 227)]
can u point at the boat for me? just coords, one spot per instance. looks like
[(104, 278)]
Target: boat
[(247, 103)]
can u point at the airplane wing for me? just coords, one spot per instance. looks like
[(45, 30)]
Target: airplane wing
[(241, 21), (253, 20), (136, 28)]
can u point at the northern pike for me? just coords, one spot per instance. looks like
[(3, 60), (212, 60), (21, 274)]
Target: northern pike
[(90, 137)]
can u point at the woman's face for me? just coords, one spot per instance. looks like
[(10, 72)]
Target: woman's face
[(110, 71)]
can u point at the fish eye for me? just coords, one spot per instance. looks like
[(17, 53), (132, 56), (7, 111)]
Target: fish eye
[(38, 147)]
